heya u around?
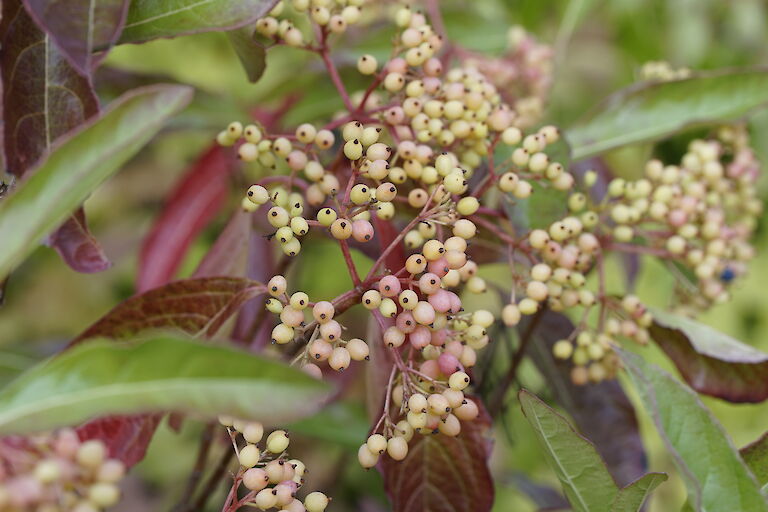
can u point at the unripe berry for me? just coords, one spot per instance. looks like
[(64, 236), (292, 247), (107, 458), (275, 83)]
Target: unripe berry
[(91, 454), (377, 443), (397, 448), (253, 432), (353, 149), (111, 471), (316, 502), (249, 456), (450, 426), (103, 495), (266, 499), (388, 308), (339, 359), (467, 411), (341, 229), (277, 441), (358, 349), (458, 381), (367, 64)]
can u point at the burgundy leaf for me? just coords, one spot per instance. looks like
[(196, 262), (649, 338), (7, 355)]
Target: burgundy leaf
[(711, 362), (386, 233), (78, 247), (80, 28), (443, 474), (601, 412), (198, 197), (44, 97), (126, 437), (227, 255), (194, 306)]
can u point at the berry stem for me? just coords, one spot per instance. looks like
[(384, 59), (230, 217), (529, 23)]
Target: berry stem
[(333, 72)]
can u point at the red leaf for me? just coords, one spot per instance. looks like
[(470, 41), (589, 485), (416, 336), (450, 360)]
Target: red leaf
[(386, 233), (227, 255), (443, 474), (44, 98), (198, 197), (126, 437), (192, 306), (78, 247), (79, 28)]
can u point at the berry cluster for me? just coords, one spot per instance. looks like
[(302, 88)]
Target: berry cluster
[(57, 472), (271, 478), (443, 152)]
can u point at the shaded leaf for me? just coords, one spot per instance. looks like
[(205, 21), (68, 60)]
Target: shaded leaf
[(150, 19), (78, 247), (199, 194), (80, 28), (252, 54), (443, 474), (755, 454), (160, 373), (713, 472), (632, 497), (126, 437), (653, 110), (602, 412), (711, 362), (78, 165), (44, 98), (192, 306), (226, 257), (586, 481), (342, 423), (544, 496)]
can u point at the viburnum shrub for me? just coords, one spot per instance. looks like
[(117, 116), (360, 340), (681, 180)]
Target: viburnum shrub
[(439, 161)]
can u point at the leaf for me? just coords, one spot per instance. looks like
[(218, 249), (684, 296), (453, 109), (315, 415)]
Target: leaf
[(150, 19), (251, 53), (126, 437), (160, 373), (80, 28), (342, 423), (711, 362), (654, 110), (713, 472), (44, 98), (632, 497), (586, 481), (443, 474), (601, 412), (755, 455), (199, 194), (79, 164), (192, 306), (226, 257), (78, 247)]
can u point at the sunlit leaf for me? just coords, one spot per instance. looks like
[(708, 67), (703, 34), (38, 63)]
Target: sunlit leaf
[(78, 165), (653, 110), (755, 454), (160, 373), (714, 473), (632, 497)]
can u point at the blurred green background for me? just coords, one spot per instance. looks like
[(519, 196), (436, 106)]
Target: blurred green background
[(600, 46)]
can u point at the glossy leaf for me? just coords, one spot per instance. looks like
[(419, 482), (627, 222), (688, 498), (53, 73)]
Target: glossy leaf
[(711, 362), (443, 474), (199, 195), (150, 19), (587, 484), (632, 497), (160, 373), (755, 454), (714, 473), (252, 54), (653, 110), (78, 165), (601, 412), (192, 306), (80, 28)]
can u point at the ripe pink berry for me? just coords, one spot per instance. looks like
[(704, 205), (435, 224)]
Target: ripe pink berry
[(389, 286), (420, 337), (448, 363)]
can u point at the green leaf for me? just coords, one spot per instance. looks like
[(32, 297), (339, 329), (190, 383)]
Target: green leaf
[(716, 477), (711, 362), (342, 423), (586, 482), (161, 373), (632, 497), (79, 164), (150, 19), (252, 54), (755, 454), (653, 110)]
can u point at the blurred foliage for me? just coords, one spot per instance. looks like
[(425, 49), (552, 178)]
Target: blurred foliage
[(601, 45)]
